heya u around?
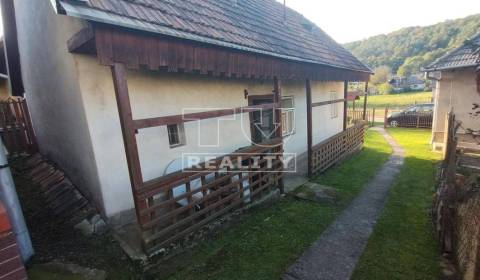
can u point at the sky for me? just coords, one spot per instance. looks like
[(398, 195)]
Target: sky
[(351, 20)]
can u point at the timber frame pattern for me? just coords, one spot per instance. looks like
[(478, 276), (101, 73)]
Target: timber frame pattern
[(209, 194)]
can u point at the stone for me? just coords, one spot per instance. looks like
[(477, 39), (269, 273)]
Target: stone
[(85, 227), (96, 225), (100, 227), (318, 193)]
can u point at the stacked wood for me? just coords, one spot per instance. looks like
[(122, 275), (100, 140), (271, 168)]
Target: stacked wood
[(63, 198)]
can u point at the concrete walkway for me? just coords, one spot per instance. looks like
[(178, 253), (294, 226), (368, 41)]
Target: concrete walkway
[(334, 255)]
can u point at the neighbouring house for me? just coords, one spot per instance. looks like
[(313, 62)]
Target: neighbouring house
[(116, 90), (409, 83), (457, 77)]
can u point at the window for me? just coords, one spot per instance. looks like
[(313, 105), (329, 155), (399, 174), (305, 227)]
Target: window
[(176, 135), (288, 116), (333, 106)]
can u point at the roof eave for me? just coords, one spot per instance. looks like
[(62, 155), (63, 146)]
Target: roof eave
[(87, 14), (434, 69)]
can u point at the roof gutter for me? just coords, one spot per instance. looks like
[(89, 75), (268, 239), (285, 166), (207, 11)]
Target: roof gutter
[(113, 19), (450, 68)]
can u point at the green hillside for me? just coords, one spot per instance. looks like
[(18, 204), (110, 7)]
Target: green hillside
[(408, 49)]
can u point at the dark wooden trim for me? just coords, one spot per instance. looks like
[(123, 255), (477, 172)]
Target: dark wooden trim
[(365, 102), (345, 105), (128, 132), (259, 96), (169, 120), (323, 103), (161, 53), (83, 41), (277, 100), (251, 99), (309, 127)]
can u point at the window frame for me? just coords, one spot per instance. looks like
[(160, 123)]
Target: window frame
[(180, 135), (334, 111), (285, 113)]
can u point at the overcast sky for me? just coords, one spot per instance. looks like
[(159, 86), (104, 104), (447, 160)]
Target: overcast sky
[(351, 20)]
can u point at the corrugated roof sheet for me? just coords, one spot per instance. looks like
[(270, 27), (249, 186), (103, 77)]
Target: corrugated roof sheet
[(467, 55), (251, 25)]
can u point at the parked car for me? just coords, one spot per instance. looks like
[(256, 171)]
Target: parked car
[(420, 115)]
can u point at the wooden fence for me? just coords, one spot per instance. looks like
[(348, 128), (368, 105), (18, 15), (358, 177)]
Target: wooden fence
[(336, 148), (180, 203), (417, 120), (355, 115), (16, 126)]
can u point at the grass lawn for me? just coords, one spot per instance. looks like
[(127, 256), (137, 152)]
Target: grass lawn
[(269, 239), (402, 245), (399, 100)]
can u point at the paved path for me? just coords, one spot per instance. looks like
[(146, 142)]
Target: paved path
[(334, 255)]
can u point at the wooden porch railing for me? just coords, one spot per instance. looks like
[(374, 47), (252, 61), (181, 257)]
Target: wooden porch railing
[(336, 148), (173, 206), (16, 126), (182, 202)]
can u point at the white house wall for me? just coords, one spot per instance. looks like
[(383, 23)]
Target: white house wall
[(155, 94), (458, 90), (53, 93)]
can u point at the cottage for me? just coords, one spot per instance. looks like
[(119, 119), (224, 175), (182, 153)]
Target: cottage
[(457, 77), (121, 91)]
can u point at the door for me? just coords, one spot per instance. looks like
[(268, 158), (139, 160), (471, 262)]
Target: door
[(261, 122)]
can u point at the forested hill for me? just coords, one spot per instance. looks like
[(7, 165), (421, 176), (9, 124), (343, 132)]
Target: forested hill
[(408, 49)]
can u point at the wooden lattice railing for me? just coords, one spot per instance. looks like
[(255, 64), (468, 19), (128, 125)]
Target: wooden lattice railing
[(336, 148), (16, 127), (182, 202)]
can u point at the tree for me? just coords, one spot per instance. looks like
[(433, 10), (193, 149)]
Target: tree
[(385, 88), (412, 65), (429, 43), (382, 75)]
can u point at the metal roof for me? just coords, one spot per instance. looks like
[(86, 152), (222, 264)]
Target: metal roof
[(467, 55), (260, 26)]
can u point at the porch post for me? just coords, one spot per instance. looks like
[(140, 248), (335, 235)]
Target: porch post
[(345, 105), (128, 132), (309, 127), (277, 100), (365, 102)]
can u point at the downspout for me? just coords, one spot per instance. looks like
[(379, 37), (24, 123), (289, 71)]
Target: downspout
[(8, 195)]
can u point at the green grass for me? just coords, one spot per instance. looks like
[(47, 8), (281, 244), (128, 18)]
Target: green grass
[(269, 239), (399, 100), (402, 245)]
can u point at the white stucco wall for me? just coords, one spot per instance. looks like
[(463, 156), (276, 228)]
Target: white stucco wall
[(155, 94), (52, 90), (458, 90)]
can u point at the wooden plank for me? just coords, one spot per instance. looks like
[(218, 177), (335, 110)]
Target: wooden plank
[(345, 105), (190, 117), (323, 103), (181, 55), (309, 127), (365, 102), (277, 100), (82, 41), (128, 132)]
